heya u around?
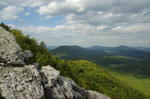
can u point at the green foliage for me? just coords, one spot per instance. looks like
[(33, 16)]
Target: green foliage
[(141, 84), (6, 27), (127, 63), (84, 73), (135, 66), (93, 77), (41, 54), (77, 52)]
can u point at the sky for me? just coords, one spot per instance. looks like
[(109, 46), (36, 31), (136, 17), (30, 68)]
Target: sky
[(80, 22)]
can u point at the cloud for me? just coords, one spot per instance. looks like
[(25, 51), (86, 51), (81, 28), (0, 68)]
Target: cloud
[(22, 3), (99, 12), (36, 30), (10, 13), (14, 7), (84, 22), (61, 34), (87, 35), (72, 6), (27, 14), (12, 26), (61, 7), (133, 28)]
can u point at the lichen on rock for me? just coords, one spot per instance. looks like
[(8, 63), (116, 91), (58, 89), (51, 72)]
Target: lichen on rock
[(21, 83)]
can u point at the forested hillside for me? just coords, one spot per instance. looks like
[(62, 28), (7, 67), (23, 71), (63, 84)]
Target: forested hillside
[(84, 73), (77, 52), (122, 59)]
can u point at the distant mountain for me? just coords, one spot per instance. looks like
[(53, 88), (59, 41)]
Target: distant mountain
[(122, 58), (124, 51), (146, 49), (51, 47), (77, 52), (131, 52), (99, 47)]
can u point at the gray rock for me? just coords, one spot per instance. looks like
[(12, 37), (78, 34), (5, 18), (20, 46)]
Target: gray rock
[(10, 51), (58, 87), (26, 83), (20, 83), (96, 95), (28, 54)]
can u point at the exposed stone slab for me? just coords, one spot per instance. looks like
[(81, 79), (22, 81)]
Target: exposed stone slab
[(21, 83), (10, 51)]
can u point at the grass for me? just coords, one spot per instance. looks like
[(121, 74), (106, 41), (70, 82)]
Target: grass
[(141, 84)]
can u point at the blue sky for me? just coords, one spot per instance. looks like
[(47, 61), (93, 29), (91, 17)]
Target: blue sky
[(81, 22)]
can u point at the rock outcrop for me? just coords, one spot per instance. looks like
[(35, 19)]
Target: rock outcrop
[(10, 51), (21, 83), (31, 82), (58, 87)]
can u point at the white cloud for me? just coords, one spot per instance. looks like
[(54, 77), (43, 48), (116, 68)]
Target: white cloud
[(60, 34), (99, 12), (27, 14), (132, 29), (10, 13), (36, 30), (86, 22), (101, 27), (22, 3), (12, 26), (63, 7), (72, 6), (86, 34)]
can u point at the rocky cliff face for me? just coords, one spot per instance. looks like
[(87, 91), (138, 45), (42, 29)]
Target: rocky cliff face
[(21, 81)]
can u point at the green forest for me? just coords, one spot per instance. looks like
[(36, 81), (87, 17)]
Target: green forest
[(85, 73)]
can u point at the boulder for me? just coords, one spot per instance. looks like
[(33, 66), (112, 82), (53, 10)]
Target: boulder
[(58, 87), (20, 83), (10, 51)]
